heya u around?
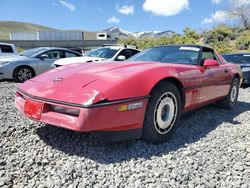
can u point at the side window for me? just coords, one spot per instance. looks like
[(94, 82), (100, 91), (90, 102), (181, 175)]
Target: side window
[(70, 54), (209, 54), (126, 52), (133, 52), (54, 54), (6, 49)]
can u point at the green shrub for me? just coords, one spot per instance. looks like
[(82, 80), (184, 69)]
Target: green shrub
[(219, 33), (243, 41), (189, 37), (222, 47)]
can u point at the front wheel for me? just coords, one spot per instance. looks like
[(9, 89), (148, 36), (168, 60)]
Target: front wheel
[(23, 74), (163, 111), (230, 100)]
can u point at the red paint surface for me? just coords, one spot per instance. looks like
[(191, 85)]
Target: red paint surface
[(91, 83), (90, 119)]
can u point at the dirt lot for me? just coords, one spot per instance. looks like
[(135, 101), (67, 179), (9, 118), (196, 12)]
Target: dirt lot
[(211, 148)]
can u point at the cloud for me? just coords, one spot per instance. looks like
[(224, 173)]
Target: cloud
[(165, 7), (237, 3), (67, 5), (113, 19), (217, 17), (125, 9), (216, 1), (225, 16)]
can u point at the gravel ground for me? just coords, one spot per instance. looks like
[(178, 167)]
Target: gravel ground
[(211, 148)]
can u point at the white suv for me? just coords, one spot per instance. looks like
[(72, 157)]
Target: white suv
[(7, 49), (106, 53)]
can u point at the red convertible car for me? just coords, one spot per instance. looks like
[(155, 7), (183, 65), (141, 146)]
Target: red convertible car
[(140, 98)]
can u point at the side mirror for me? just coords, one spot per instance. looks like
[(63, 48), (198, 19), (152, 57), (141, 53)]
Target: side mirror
[(44, 56), (210, 63), (121, 58)]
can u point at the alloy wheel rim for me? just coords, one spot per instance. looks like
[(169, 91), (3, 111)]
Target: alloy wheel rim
[(24, 75), (165, 113)]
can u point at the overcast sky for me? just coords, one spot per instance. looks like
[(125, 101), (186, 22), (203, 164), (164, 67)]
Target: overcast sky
[(132, 15)]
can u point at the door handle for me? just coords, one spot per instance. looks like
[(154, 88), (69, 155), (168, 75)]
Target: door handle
[(225, 70)]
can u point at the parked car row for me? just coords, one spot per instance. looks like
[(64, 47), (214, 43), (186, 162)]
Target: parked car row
[(142, 97), (33, 62)]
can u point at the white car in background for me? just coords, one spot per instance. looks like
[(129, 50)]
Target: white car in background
[(7, 49), (103, 54)]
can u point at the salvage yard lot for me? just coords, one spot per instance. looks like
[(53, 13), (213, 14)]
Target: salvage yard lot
[(211, 147)]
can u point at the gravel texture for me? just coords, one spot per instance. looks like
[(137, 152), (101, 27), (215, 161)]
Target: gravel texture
[(211, 148)]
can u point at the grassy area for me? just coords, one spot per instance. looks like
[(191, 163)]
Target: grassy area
[(11, 26)]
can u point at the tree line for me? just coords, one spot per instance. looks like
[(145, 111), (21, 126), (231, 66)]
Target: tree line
[(223, 38)]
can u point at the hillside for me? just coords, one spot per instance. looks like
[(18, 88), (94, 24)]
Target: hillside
[(11, 26)]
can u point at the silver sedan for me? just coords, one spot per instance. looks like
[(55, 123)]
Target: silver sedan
[(32, 62)]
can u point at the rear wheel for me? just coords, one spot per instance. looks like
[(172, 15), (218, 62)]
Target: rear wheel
[(230, 100), (163, 111), (23, 74)]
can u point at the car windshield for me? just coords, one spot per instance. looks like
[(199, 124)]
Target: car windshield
[(32, 52), (238, 58), (106, 53), (169, 54)]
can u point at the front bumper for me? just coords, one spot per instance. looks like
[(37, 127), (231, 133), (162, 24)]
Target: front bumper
[(5, 73), (89, 119)]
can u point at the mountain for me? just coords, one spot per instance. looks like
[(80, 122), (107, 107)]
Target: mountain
[(11, 26), (117, 32)]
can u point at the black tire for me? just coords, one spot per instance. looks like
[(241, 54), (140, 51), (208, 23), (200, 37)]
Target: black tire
[(230, 100), (160, 112), (22, 74)]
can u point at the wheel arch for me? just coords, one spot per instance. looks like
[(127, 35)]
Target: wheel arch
[(177, 83), (237, 75), (23, 66)]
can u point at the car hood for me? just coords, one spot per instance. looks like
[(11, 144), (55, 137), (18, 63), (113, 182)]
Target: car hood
[(71, 60), (14, 58), (83, 84)]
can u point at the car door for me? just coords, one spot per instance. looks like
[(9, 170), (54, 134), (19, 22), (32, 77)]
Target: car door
[(214, 80), (46, 59)]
